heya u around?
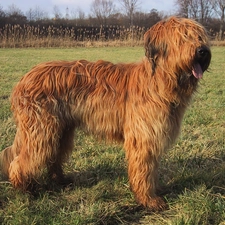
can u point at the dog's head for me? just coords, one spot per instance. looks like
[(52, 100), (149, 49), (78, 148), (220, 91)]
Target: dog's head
[(180, 45)]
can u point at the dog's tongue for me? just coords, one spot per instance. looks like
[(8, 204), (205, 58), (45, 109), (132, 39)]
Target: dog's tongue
[(197, 71)]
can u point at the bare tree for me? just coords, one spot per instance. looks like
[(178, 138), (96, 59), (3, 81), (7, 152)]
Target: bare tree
[(2, 16), (2, 13), (205, 10), (15, 15), (194, 9), (30, 15), (102, 10), (130, 7), (81, 14), (36, 14), (57, 13), (77, 14), (197, 9), (183, 7), (219, 8), (14, 10)]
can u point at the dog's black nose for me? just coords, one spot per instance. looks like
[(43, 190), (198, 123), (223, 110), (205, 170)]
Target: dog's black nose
[(203, 51)]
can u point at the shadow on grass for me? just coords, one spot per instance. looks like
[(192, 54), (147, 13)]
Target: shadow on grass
[(124, 215), (196, 172), (122, 211), (209, 172), (88, 177)]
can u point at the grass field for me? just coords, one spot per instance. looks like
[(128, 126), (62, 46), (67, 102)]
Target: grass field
[(192, 172)]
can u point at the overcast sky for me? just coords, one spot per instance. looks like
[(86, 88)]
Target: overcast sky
[(84, 5)]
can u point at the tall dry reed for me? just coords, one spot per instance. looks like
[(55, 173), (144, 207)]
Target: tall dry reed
[(17, 36)]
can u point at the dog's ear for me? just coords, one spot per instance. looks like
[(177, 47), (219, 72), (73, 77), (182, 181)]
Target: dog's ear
[(153, 50)]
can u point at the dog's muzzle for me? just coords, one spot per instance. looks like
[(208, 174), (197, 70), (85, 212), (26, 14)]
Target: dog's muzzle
[(201, 62), (203, 53), (203, 57)]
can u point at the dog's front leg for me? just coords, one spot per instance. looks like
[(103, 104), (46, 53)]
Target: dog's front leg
[(143, 174)]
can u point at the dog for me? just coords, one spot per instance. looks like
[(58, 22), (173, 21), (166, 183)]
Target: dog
[(140, 105)]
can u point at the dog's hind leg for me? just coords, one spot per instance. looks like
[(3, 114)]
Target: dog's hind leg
[(66, 144), (38, 138), (6, 157)]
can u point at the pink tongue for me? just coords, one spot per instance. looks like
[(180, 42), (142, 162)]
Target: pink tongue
[(197, 71)]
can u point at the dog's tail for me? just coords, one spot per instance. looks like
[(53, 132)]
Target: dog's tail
[(6, 157)]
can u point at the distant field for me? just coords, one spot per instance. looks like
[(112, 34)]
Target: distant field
[(193, 171)]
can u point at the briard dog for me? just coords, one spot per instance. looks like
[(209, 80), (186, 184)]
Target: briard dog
[(139, 104)]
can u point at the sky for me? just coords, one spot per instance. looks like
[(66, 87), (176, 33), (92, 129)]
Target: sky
[(73, 5)]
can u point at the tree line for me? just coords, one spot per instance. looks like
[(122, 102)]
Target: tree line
[(105, 13)]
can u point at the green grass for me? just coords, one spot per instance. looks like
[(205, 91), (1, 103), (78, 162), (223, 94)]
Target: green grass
[(192, 172)]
